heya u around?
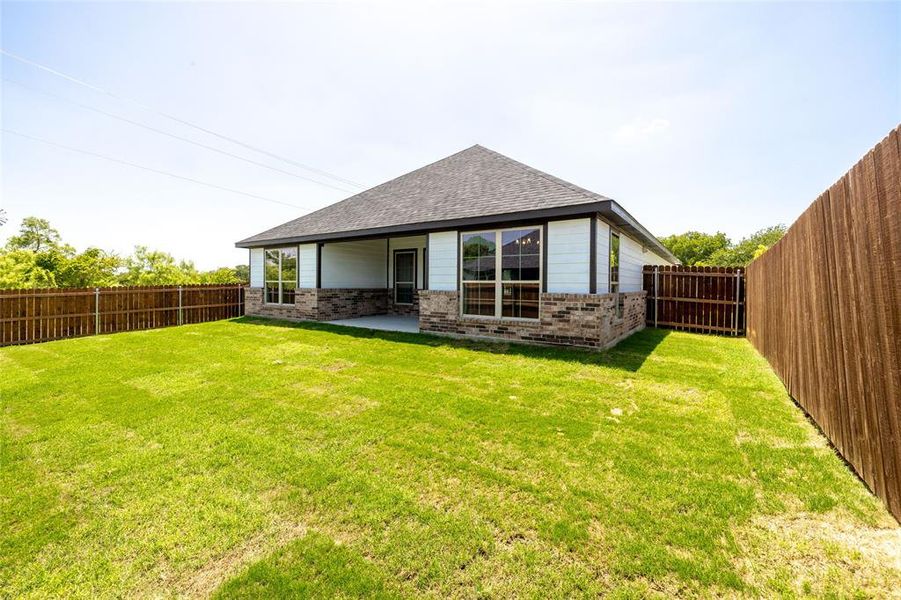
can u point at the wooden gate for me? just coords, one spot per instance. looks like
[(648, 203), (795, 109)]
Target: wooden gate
[(698, 299)]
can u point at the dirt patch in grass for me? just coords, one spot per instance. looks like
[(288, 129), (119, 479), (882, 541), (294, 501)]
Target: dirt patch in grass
[(338, 365), (820, 555), (203, 582)]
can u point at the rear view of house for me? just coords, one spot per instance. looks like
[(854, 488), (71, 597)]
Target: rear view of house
[(475, 244)]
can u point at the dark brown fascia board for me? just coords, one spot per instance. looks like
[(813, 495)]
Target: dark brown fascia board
[(609, 209), (621, 217)]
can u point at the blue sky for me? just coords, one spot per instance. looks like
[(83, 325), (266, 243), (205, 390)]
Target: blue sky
[(712, 117)]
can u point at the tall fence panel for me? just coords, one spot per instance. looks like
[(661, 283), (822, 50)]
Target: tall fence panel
[(41, 315), (698, 299), (824, 308)]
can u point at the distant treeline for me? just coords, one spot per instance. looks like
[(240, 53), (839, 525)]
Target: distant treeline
[(38, 258), (694, 248)]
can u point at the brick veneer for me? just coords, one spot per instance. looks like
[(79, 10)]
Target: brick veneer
[(585, 320), (320, 304), (403, 309)]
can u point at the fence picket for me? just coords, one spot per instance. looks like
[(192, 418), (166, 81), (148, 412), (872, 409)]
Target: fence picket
[(824, 309), (698, 299), (39, 315)]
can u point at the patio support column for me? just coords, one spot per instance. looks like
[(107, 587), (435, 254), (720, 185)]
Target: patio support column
[(318, 265), (593, 256)]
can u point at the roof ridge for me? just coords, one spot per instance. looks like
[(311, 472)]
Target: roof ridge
[(556, 180)]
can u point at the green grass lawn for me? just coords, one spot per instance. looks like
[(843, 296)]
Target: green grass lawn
[(250, 458)]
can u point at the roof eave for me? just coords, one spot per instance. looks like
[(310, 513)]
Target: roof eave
[(609, 209), (621, 217), (573, 210)]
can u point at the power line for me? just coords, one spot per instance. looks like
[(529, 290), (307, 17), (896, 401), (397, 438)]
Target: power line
[(100, 90), (151, 169), (172, 135)]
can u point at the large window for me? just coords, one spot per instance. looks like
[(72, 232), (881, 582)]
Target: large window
[(281, 275), (614, 272), (505, 283)]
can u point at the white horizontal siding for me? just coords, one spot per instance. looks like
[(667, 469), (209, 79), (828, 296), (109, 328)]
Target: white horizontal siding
[(306, 269), (568, 250), (442, 259), (652, 258), (416, 242), (632, 259), (256, 267), (360, 264)]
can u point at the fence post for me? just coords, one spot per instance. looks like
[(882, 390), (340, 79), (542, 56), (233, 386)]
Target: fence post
[(181, 319), (656, 293), (96, 310)]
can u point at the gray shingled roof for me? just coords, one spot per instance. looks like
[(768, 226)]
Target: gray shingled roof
[(474, 183)]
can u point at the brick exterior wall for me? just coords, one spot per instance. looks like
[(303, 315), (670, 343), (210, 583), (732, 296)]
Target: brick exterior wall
[(584, 320), (320, 304), (403, 309), (346, 303)]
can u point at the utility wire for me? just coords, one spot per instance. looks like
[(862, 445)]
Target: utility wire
[(172, 135), (151, 169), (100, 90)]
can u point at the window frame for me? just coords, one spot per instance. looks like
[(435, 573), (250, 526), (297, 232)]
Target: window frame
[(415, 282), (281, 279), (619, 263), (499, 281)]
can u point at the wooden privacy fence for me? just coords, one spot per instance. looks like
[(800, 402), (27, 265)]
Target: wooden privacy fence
[(699, 299), (824, 308), (41, 315)]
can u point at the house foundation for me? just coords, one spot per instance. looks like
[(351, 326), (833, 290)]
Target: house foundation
[(320, 304), (583, 320)]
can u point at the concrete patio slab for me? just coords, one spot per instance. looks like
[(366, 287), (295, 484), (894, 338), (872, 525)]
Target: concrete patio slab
[(404, 323)]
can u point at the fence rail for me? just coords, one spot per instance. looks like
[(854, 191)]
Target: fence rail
[(698, 299), (42, 315), (824, 308)]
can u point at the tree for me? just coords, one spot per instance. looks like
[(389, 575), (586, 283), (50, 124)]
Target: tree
[(34, 234), (20, 269), (749, 248), (221, 275), (92, 268), (695, 247), (37, 257), (3, 217), (152, 267)]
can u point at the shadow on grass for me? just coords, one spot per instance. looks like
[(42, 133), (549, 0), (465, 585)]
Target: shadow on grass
[(629, 355)]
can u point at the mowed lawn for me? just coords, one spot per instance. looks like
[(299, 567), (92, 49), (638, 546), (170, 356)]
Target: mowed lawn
[(251, 458)]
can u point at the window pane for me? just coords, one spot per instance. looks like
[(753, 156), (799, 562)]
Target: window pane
[(479, 256), (403, 293), (288, 292), (403, 267), (271, 267), (614, 259), (521, 255), (521, 241), (520, 300), (289, 265), (510, 266), (272, 293), (478, 299), (530, 267)]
